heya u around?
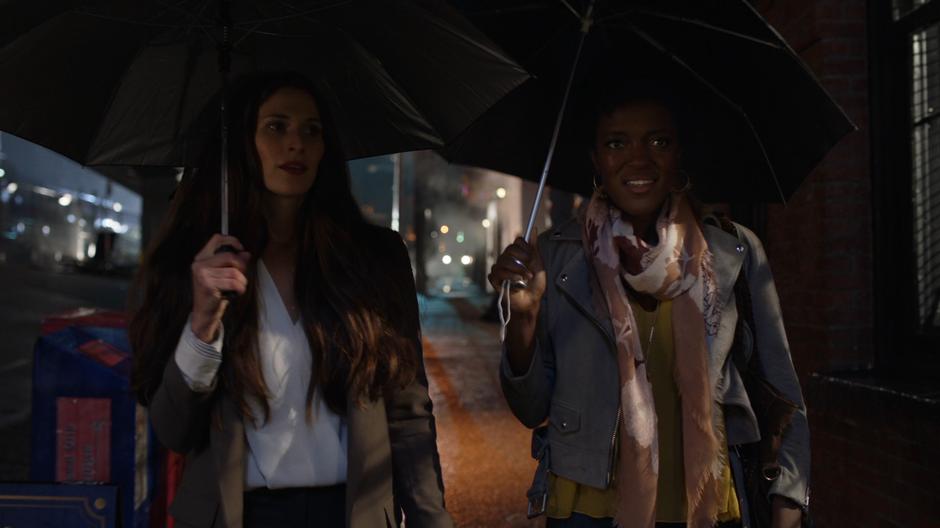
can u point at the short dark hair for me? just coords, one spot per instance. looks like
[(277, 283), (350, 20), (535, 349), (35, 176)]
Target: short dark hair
[(608, 93)]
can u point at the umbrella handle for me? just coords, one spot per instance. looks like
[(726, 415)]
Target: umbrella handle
[(227, 294)]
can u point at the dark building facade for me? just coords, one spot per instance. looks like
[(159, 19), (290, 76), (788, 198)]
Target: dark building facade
[(856, 257)]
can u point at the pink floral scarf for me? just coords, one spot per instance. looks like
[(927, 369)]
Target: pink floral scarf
[(678, 268)]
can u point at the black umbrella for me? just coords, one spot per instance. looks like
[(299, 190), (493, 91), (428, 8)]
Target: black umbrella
[(763, 119), (116, 83), (121, 83)]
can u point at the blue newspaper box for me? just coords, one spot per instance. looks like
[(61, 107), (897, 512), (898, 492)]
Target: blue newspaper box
[(58, 506), (86, 425)]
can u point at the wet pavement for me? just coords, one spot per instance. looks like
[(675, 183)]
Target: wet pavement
[(484, 449)]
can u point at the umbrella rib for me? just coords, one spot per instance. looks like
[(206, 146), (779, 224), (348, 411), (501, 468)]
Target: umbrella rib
[(112, 97), (694, 22), (273, 34), (500, 11), (296, 14), (572, 9), (188, 68), (190, 14), (248, 32), (656, 44), (192, 24), (253, 30), (131, 21), (195, 17)]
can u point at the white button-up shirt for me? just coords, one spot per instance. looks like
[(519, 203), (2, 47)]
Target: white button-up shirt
[(291, 449)]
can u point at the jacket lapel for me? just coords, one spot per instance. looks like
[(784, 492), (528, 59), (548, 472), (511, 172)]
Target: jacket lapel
[(575, 281), (728, 257)]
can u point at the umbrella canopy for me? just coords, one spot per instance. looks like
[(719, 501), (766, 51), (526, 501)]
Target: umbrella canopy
[(760, 119), (121, 83)]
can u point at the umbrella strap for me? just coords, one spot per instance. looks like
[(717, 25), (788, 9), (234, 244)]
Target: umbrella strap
[(586, 22), (504, 317)]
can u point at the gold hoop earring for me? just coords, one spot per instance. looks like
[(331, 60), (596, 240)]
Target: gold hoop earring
[(598, 188), (688, 182)]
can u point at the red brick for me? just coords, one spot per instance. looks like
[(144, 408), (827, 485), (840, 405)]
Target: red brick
[(874, 455), (841, 27)]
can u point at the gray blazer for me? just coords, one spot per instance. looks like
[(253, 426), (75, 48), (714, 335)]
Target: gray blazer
[(393, 462), (573, 378)]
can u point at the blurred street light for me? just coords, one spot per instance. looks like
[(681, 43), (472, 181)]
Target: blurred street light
[(12, 187), (501, 193), (446, 259), (444, 229), (486, 223), (65, 200), (466, 260)]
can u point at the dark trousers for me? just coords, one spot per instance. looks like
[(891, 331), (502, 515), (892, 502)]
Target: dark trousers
[(578, 520), (321, 507)]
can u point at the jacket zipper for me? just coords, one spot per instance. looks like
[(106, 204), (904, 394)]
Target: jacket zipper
[(613, 346), (613, 447)]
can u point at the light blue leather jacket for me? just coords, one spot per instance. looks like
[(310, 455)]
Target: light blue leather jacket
[(573, 382)]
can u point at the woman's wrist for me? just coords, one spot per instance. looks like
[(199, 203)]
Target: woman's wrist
[(520, 339), (206, 330)]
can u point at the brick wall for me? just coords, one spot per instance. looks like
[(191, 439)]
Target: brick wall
[(875, 456), (820, 243)]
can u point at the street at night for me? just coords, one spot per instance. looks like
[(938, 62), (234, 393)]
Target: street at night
[(485, 451), (713, 227)]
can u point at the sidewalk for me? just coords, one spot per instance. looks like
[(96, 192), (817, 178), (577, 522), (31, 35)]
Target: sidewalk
[(484, 449)]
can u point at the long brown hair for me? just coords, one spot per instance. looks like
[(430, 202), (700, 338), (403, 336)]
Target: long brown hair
[(361, 337)]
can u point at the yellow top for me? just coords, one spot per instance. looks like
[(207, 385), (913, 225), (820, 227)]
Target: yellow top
[(567, 496)]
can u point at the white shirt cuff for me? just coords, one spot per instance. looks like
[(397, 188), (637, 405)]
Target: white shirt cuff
[(198, 361)]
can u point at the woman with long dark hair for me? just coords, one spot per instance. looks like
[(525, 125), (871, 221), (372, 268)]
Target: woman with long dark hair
[(302, 400), (622, 339)]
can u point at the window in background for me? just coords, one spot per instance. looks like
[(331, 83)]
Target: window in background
[(925, 165)]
